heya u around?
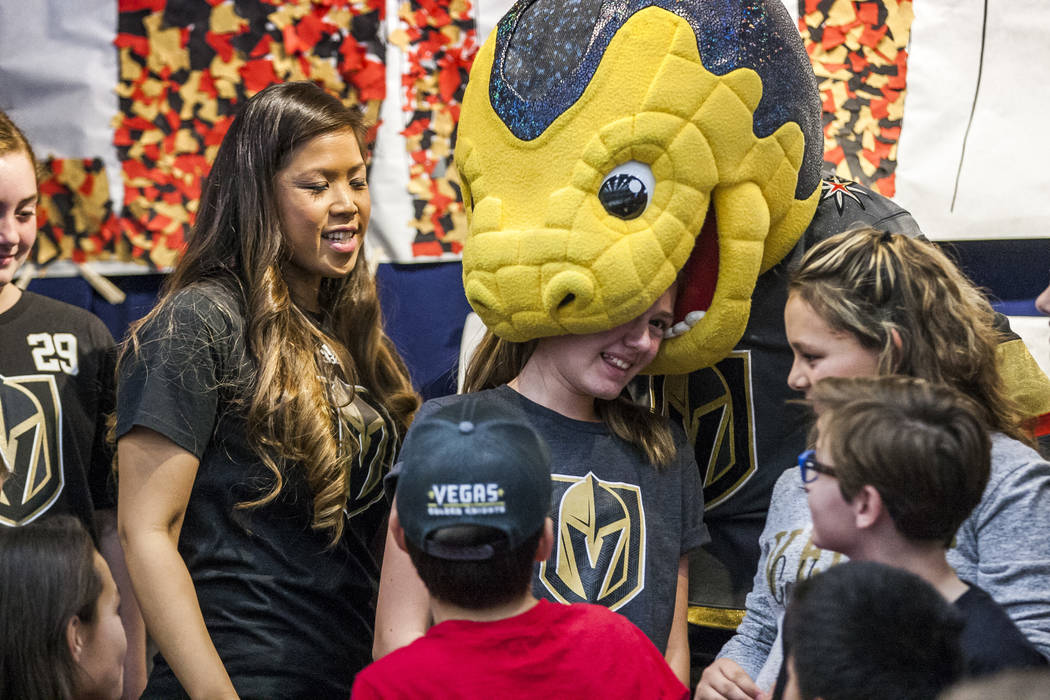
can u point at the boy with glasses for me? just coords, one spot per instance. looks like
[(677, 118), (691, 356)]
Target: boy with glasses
[(898, 466)]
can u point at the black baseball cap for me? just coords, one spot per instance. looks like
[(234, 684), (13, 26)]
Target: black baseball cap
[(472, 463)]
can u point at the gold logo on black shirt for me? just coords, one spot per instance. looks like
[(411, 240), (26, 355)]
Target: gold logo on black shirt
[(375, 434), (721, 428), (599, 556), (31, 446)]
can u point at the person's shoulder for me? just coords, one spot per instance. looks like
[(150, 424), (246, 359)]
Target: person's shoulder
[(206, 297), (990, 638), (424, 655), (788, 480), (1008, 452), (207, 304), (845, 204), (497, 395), (980, 612), (1014, 463), (596, 620), (54, 312)]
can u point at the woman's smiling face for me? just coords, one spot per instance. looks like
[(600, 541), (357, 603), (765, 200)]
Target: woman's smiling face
[(324, 206)]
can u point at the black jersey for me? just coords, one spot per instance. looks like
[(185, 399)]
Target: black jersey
[(737, 414), (56, 387), (290, 615)]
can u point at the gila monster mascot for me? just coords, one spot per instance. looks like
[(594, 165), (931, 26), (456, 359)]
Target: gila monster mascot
[(607, 148)]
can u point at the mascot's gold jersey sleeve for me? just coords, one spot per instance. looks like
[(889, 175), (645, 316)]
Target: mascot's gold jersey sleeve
[(609, 148)]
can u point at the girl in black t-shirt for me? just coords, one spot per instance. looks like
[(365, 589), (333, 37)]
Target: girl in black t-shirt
[(56, 377), (624, 482), (258, 405)]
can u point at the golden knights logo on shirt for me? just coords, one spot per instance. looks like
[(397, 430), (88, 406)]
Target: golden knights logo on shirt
[(794, 558), (31, 447), (599, 551), (722, 427), (374, 431)]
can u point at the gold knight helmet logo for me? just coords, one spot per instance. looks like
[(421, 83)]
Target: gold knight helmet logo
[(599, 556), (31, 447)]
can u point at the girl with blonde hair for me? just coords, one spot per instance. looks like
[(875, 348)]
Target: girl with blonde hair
[(868, 302)]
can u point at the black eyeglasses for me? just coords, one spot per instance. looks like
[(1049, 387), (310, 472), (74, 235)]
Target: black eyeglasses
[(810, 467)]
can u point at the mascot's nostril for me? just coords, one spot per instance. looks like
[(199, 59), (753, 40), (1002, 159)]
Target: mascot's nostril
[(481, 298), (569, 288)]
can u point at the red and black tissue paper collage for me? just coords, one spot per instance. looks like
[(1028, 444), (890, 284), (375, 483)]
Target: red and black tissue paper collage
[(184, 66)]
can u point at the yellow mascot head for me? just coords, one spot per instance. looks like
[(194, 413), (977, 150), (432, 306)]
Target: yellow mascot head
[(607, 149)]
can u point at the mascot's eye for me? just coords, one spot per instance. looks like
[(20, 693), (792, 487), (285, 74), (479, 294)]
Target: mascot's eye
[(626, 191)]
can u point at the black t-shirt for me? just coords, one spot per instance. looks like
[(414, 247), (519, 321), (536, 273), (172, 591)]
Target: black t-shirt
[(990, 640), (56, 387), (289, 616)]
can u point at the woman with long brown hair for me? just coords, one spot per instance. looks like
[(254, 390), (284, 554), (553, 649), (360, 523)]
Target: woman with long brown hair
[(258, 406)]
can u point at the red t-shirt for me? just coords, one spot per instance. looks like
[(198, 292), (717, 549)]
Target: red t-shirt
[(551, 650)]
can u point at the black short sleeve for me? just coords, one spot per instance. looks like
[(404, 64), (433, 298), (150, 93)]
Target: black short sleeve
[(172, 381)]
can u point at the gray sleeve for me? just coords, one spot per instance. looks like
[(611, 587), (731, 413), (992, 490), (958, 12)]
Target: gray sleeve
[(754, 638), (1003, 546)]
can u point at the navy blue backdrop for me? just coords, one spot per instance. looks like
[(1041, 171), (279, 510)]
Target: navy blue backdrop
[(425, 307)]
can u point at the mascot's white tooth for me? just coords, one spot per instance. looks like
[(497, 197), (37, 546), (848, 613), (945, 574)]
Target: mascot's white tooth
[(669, 333), (681, 327), (693, 317)]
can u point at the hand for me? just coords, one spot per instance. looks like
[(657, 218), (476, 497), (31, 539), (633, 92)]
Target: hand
[(726, 680)]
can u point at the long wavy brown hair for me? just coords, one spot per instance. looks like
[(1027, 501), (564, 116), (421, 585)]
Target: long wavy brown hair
[(497, 361), (237, 242), (876, 285)]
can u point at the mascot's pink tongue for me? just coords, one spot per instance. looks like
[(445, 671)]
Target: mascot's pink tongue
[(699, 275)]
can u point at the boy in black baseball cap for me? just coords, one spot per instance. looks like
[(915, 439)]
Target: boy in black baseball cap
[(471, 509)]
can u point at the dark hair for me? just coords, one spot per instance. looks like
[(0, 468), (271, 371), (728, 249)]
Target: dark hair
[(12, 140), (867, 631), (923, 446), (48, 578), (237, 242), (477, 585), (873, 284)]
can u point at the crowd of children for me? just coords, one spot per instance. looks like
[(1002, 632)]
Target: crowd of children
[(538, 528)]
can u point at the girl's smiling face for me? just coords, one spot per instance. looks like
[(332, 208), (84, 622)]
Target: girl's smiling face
[(18, 199), (821, 351), (583, 367)]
